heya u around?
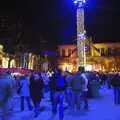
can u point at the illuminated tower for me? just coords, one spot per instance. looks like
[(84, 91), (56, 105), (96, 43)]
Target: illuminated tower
[(80, 32)]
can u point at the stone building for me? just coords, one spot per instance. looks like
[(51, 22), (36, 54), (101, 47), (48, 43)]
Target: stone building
[(100, 57)]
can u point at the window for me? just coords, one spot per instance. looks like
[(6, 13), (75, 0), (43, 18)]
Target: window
[(109, 51), (69, 52), (102, 52), (63, 52)]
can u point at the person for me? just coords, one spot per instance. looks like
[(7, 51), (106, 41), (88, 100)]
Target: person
[(84, 89), (5, 94), (45, 78), (36, 91), (109, 81), (24, 92), (13, 85), (115, 82), (95, 86), (68, 92), (58, 86), (79, 89)]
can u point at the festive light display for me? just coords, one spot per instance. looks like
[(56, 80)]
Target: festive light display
[(81, 38)]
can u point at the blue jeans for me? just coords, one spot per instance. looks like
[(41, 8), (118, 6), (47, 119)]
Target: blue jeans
[(68, 96), (76, 95), (37, 108), (28, 102), (85, 99), (117, 95), (58, 98)]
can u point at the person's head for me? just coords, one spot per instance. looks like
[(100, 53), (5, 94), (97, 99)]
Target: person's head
[(81, 69)]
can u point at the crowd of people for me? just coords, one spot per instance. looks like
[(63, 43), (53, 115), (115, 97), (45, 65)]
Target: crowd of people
[(73, 88)]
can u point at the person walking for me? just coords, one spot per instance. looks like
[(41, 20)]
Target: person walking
[(79, 89), (24, 93), (5, 94), (58, 86), (13, 89), (68, 92), (84, 89), (115, 82), (36, 92)]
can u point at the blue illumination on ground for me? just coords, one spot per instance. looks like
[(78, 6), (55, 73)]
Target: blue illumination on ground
[(100, 109)]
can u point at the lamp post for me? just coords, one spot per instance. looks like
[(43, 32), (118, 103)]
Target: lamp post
[(80, 32)]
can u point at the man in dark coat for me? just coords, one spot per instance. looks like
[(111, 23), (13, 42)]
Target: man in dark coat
[(115, 82), (58, 86), (36, 87)]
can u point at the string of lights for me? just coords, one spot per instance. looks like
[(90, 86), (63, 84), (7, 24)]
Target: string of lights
[(80, 32)]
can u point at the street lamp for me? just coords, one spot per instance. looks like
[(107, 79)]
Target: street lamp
[(81, 38)]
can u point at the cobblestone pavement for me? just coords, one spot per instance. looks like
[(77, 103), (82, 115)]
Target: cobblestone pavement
[(100, 109)]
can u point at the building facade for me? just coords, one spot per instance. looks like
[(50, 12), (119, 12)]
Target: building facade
[(27, 60), (19, 60), (100, 57), (105, 56), (4, 59), (67, 57)]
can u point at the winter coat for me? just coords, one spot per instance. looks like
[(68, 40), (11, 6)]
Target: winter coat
[(54, 81), (77, 81), (36, 87), (24, 87), (115, 82), (5, 90)]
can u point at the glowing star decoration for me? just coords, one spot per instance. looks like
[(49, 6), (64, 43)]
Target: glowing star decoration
[(80, 3)]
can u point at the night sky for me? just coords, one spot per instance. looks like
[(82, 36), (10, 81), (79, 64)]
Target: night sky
[(54, 21)]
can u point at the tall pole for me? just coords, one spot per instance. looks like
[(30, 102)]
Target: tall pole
[(80, 32)]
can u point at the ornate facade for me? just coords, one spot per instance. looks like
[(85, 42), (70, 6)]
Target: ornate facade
[(67, 57), (27, 60), (105, 56), (101, 57)]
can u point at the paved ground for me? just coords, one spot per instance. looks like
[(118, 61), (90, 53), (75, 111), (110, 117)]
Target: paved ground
[(100, 109)]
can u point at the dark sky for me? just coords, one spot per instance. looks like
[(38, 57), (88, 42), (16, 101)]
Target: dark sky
[(102, 20), (54, 21)]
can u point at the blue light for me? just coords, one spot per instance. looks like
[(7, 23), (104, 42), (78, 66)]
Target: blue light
[(77, 1), (80, 3)]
